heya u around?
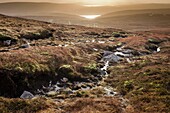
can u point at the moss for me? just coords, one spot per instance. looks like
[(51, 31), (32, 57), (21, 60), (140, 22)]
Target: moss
[(91, 67), (69, 72), (31, 67)]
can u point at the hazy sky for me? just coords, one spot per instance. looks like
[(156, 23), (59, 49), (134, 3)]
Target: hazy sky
[(93, 2)]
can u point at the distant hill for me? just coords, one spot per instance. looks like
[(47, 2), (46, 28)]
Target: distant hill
[(37, 9), (131, 20), (109, 9), (133, 12), (135, 16), (28, 8)]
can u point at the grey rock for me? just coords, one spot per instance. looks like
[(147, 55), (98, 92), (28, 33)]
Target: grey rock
[(51, 93), (112, 58), (106, 53), (27, 95), (7, 42)]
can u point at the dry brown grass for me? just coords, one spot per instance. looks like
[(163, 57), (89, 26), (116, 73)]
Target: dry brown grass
[(94, 105), (26, 106), (145, 83)]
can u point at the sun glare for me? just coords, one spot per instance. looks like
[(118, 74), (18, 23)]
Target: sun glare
[(96, 3), (90, 17), (93, 5)]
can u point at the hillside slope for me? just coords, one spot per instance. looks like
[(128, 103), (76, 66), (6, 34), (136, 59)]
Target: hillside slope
[(69, 68)]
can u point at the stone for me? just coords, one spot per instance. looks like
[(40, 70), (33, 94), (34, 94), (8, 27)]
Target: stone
[(64, 80), (27, 45), (51, 93), (7, 42), (27, 95), (57, 88), (158, 49), (101, 42), (90, 85), (106, 53), (112, 58), (61, 96), (121, 54)]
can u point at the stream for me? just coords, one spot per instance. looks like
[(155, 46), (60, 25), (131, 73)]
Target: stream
[(65, 87)]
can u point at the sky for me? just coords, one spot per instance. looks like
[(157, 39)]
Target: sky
[(94, 2)]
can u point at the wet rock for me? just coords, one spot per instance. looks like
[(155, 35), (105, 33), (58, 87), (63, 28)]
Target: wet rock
[(57, 88), (51, 94), (77, 87), (127, 51), (158, 49), (7, 42), (68, 91), (60, 96), (27, 95), (109, 92), (128, 60), (121, 54), (101, 42), (90, 85), (106, 53), (25, 45), (102, 73), (112, 58), (64, 80), (95, 49), (40, 92)]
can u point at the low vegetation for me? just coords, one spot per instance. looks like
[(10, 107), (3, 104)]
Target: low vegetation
[(59, 53)]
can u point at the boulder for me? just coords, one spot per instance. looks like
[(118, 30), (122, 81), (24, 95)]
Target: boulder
[(27, 95), (111, 58)]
